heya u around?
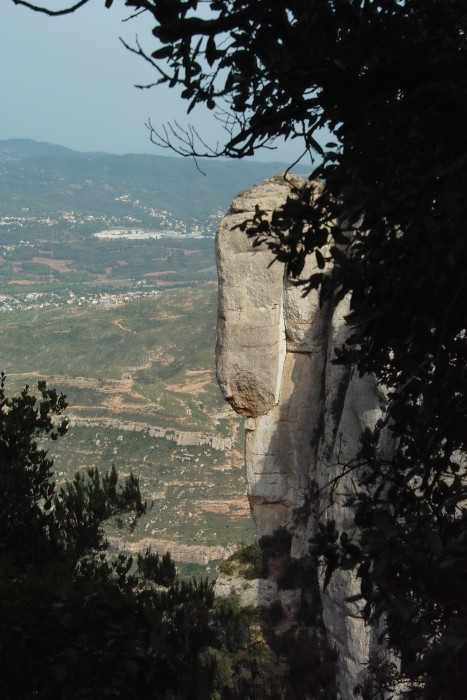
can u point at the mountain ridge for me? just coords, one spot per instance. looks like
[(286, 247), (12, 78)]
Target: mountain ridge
[(23, 148), (45, 177)]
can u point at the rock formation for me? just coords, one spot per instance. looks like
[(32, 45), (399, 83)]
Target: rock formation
[(305, 415), (180, 437), (180, 552)]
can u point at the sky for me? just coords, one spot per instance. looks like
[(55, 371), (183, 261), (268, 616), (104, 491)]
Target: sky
[(70, 81)]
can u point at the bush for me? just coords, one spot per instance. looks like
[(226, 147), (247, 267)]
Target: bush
[(247, 561)]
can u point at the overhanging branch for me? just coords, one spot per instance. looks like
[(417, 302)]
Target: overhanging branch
[(53, 13)]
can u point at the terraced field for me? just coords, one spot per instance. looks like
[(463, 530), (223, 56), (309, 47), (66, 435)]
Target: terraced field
[(140, 381)]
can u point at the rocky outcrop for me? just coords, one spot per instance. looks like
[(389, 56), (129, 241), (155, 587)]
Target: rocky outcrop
[(247, 592), (186, 553), (180, 437), (305, 414)]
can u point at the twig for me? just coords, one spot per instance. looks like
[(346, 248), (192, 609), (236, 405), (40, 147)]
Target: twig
[(51, 13)]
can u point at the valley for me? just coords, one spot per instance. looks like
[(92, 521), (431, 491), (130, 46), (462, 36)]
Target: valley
[(124, 325)]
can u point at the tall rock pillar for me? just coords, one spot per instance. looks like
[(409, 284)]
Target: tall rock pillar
[(305, 414)]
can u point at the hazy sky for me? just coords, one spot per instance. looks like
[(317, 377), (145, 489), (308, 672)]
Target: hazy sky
[(70, 81)]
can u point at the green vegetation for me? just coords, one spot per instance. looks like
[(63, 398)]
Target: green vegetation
[(161, 570), (166, 339), (246, 562), (75, 623), (78, 622), (188, 571), (151, 362)]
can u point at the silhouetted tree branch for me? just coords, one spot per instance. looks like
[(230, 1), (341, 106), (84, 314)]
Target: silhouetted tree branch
[(55, 13)]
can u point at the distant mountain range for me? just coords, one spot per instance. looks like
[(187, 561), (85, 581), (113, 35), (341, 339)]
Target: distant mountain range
[(16, 149), (47, 177)]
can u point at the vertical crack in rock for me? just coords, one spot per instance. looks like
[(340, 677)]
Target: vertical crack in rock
[(282, 347), (275, 351)]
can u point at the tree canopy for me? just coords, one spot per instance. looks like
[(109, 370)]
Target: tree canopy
[(77, 621), (388, 79)]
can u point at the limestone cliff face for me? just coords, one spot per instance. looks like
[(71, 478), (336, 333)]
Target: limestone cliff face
[(274, 353)]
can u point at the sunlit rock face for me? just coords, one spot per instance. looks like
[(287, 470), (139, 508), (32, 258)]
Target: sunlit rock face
[(305, 414)]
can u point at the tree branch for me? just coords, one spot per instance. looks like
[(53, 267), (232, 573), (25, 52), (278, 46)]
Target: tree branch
[(51, 13)]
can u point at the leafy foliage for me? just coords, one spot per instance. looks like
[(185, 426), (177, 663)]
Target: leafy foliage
[(247, 561), (158, 570), (75, 622), (26, 515)]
